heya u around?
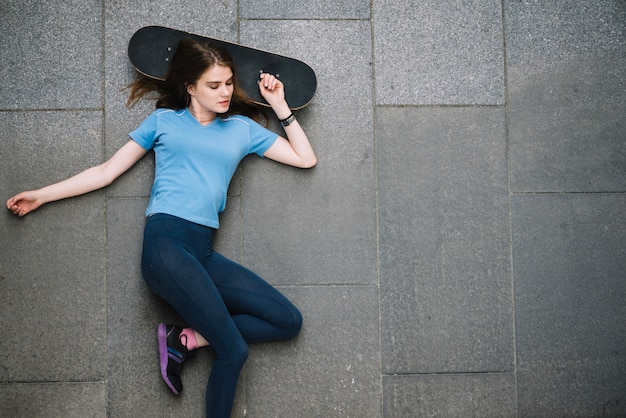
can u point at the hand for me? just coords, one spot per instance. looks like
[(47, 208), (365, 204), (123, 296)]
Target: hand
[(24, 203), (272, 90)]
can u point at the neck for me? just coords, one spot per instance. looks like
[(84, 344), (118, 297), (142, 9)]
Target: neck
[(203, 117)]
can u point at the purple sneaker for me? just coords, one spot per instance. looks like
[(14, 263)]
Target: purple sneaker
[(172, 355)]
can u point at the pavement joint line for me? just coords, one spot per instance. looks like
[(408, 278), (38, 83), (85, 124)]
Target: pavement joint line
[(566, 193), (450, 373)]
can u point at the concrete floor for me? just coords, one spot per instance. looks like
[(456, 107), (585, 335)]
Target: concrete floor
[(459, 251)]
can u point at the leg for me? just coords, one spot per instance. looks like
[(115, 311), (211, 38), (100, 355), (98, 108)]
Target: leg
[(260, 312), (172, 248)]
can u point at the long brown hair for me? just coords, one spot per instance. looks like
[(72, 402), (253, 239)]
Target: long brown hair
[(190, 61)]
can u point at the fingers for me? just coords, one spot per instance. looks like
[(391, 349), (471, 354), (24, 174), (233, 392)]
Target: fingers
[(14, 208), (270, 82), (20, 210), (12, 203), (19, 205)]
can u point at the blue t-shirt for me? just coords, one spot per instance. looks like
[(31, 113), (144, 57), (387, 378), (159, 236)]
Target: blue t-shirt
[(195, 163)]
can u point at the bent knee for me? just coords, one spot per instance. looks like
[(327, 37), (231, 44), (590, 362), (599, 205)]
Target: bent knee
[(295, 324), (240, 353), (234, 355)]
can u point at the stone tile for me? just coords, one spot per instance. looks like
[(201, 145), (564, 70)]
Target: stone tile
[(212, 18), (554, 32), (444, 240), (43, 147), (462, 395), (566, 65), (315, 9), (331, 369), (228, 238), (318, 226), (54, 54), (71, 400), (569, 261), (438, 52), (134, 313), (52, 261)]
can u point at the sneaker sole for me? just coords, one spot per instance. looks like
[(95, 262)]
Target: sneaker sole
[(163, 356)]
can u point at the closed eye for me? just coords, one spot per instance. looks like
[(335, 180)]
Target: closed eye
[(215, 85)]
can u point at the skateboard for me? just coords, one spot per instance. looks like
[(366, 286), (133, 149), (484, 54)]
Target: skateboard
[(152, 47)]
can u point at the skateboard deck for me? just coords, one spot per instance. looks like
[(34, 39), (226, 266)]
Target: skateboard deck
[(152, 47)]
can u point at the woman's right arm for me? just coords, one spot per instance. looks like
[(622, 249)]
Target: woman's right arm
[(89, 180)]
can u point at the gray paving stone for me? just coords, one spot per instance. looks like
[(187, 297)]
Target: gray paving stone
[(52, 293), (42, 147), (314, 9), (438, 52), (228, 238), (444, 240), (569, 256), (462, 395), (331, 369), (318, 226), (52, 261), (54, 54), (567, 95), (43, 400)]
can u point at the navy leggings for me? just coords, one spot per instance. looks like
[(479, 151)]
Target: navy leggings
[(227, 304)]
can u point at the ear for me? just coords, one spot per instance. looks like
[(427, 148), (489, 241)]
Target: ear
[(191, 89)]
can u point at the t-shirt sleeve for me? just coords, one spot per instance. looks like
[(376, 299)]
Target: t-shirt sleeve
[(145, 134), (261, 139)]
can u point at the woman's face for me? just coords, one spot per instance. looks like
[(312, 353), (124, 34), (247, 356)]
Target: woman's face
[(211, 94)]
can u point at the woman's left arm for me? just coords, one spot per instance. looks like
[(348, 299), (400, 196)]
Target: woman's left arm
[(296, 150)]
